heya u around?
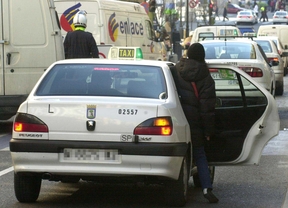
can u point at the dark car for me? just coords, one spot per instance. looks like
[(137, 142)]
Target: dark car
[(233, 8)]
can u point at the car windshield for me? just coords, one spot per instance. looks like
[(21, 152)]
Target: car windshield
[(229, 50), (104, 80)]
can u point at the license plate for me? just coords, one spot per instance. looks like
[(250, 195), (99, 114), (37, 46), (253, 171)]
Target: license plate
[(90, 155)]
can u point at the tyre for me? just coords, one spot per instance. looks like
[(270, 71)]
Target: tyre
[(27, 187), (279, 89), (196, 179), (177, 190)]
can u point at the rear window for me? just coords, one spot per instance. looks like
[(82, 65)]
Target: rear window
[(229, 50), (281, 13), (104, 80), (245, 13), (265, 45)]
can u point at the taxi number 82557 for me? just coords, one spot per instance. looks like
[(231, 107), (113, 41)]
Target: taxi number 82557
[(127, 111)]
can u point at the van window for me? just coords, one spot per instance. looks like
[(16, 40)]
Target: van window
[(149, 31), (104, 80)]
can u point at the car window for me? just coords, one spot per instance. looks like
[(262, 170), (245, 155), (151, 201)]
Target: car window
[(244, 13), (234, 90), (103, 80), (205, 36), (265, 45), (229, 50)]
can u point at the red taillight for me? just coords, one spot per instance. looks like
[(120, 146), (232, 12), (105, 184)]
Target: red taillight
[(28, 123), (253, 72), (273, 59), (155, 126)]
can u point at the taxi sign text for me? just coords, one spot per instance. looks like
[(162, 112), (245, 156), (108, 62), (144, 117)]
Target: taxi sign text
[(126, 53)]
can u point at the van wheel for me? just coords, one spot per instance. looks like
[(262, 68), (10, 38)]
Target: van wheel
[(177, 190), (196, 179), (27, 187)]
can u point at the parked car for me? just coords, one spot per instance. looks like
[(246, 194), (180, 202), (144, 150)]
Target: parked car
[(280, 17), (277, 63), (94, 119), (246, 55), (233, 8), (247, 16)]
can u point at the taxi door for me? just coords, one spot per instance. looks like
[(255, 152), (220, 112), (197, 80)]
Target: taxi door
[(246, 118)]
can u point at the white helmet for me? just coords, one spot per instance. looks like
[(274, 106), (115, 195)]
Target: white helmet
[(80, 19)]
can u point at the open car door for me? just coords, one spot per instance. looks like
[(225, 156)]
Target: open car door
[(246, 118)]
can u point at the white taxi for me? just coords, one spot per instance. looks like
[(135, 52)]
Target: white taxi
[(246, 55), (92, 118), (270, 49), (280, 17)]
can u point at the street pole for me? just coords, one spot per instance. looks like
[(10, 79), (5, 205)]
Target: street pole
[(187, 18)]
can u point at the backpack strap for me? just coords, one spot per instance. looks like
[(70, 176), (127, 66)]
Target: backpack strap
[(195, 89)]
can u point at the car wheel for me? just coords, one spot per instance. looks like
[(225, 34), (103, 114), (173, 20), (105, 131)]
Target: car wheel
[(27, 187), (177, 190), (279, 89), (196, 179)]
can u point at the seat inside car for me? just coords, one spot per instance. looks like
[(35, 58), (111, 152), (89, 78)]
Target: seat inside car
[(244, 55), (146, 89), (225, 56)]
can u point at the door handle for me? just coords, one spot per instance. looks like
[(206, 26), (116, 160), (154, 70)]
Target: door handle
[(8, 58)]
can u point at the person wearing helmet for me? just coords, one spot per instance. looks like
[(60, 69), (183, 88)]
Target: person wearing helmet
[(79, 43)]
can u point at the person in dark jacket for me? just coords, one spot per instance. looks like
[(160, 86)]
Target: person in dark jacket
[(78, 43), (198, 104)]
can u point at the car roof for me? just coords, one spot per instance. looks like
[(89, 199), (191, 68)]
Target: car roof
[(108, 61), (236, 40)]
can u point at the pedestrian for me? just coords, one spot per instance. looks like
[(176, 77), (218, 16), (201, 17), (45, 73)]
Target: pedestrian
[(262, 9), (196, 89), (79, 43), (265, 14), (225, 13), (255, 9), (215, 7)]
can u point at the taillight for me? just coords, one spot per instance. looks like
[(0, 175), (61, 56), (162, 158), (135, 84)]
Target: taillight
[(273, 59), (253, 72), (155, 126), (28, 123)]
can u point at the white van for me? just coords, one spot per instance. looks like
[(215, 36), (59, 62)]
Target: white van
[(30, 41), (113, 23), (280, 31), (210, 32)]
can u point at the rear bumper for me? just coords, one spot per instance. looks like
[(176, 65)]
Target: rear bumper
[(129, 165), (124, 148), (135, 159)]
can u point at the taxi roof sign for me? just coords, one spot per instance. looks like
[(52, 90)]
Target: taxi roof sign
[(125, 53)]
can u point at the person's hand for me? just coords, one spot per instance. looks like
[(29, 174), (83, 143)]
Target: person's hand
[(207, 138)]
